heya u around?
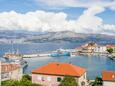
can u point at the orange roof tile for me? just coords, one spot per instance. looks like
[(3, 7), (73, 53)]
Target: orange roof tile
[(110, 46), (8, 67), (56, 68), (108, 76)]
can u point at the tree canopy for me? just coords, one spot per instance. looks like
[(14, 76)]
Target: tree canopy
[(98, 82), (25, 81), (110, 50), (68, 81)]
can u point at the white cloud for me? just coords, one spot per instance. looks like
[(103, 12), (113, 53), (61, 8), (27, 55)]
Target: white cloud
[(88, 22), (58, 3), (33, 21), (78, 3)]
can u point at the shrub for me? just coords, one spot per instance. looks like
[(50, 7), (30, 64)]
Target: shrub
[(25, 81), (68, 81)]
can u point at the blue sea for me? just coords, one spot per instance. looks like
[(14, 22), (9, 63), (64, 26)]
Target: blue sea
[(93, 64)]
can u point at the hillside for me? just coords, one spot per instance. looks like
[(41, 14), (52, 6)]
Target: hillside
[(68, 36)]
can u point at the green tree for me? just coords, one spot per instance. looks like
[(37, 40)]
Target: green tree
[(110, 50), (68, 81), (27, 77), (10, 83), (25, 81), (98, 82)]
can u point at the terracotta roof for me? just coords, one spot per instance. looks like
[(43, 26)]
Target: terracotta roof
[(110, 46), (56, 68), (88, 46), (108, 76), (8, 67)]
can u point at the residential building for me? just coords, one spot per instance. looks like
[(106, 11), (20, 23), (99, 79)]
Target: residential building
[(89, 47), (108, 78), (53, 73), (93, 48), (11, 71), (100, 49)]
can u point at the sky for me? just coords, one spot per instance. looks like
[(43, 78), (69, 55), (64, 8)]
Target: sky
[(81, 16)]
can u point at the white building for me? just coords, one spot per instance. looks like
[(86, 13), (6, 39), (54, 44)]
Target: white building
[(108, 78), (11, 71), (100, 49), (93, 48)]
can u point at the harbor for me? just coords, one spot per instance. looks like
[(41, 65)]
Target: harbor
[(93, 63), (57, 43)]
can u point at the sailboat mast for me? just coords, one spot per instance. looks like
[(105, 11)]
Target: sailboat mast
[(12, 46)]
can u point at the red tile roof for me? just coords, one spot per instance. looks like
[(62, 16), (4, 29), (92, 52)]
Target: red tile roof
[(8, 67), (56, 68), (108, 76), (110, 46)]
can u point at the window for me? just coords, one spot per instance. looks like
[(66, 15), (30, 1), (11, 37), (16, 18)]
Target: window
[(49, 78), (59, 79)]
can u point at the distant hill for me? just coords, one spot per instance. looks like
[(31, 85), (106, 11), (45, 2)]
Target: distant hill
[(64, 36), (69, 36)]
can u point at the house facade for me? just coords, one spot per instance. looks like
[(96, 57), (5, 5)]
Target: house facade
[(100, 49), (11, 71), (53, 73), (89, 47), (93, 48), (108, 78)]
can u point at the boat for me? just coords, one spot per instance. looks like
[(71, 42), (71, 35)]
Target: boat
[(12, 56), (16, 58), (60, 52), (30, 55), (112, 57)]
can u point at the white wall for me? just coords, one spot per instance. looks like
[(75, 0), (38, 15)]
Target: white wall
[(81, 79), (36, 78), (16, 74), (100, 49), (107, 83)]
